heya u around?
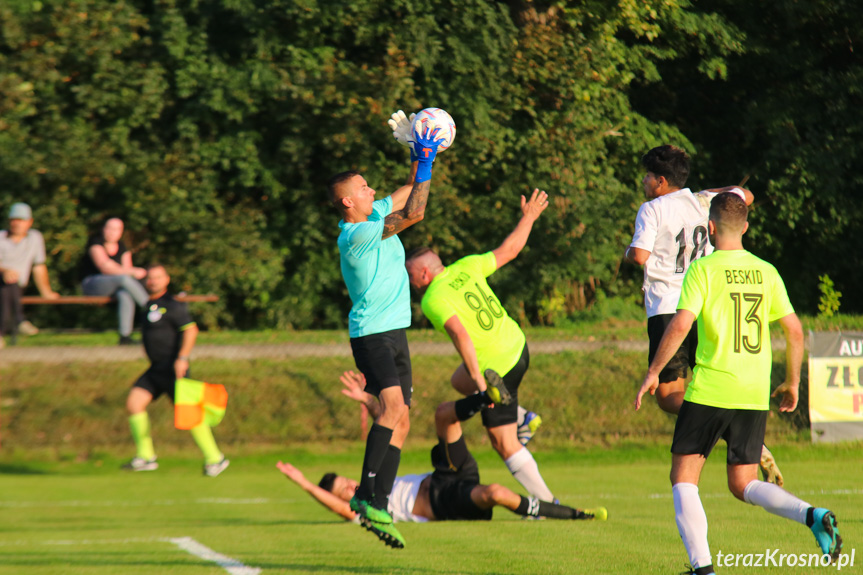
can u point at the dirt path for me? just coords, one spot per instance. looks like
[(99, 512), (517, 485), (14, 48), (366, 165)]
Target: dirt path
[(65, 354)]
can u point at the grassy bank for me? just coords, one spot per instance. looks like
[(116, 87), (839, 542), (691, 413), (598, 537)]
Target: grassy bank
[(585, 400)]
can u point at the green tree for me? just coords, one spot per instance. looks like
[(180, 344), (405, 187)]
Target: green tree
[(212, 127), (788, 116)]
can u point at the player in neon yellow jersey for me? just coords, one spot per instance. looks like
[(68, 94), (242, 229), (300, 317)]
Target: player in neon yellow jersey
[(734, 296), (670, 234), (458, 300)]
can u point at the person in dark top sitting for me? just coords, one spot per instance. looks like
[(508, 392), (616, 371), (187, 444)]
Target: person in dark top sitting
[(107, 270), (169, 334)]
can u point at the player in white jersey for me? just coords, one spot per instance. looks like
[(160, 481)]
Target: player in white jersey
[(451, 492), (671, 233)]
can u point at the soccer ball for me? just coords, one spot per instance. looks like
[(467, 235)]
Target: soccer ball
[(435, 118)]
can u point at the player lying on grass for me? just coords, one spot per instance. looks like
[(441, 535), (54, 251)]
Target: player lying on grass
[(451, 492)]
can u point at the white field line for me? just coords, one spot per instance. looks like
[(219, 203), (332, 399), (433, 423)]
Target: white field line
[(186, 544), (84, 541), (232, 566)]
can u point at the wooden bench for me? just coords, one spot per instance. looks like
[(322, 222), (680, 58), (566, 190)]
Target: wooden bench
[(105, 299), (92, 300)]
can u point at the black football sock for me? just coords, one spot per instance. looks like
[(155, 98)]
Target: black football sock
[(387, 476), (377, 444), (706, 570), (469, 406), (810, 517), (535, 508), (528, 506), (558, 511)]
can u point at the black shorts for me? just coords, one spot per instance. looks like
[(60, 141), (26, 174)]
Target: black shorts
[(158, 379), (684, 357), (506, 414), (699, 427), (385, 360), (455, 475)]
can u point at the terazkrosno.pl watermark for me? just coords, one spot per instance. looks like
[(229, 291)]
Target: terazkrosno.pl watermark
[(775, 558)]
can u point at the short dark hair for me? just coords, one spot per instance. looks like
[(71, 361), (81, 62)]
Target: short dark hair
[(336, 181), (327, 481), (670, 162), (728, 211), (417, 252)]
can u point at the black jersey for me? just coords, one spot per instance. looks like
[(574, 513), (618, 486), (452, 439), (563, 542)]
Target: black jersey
[(164, 322), (87, 267)]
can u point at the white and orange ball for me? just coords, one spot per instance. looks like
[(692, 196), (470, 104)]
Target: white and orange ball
[(435, 118)]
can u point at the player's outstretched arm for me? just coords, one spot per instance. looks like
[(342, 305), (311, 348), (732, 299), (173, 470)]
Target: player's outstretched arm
[(674, 335), (464, 345), (354, 387), (748, 196), (515, 241), (324, 497), (789, 390)]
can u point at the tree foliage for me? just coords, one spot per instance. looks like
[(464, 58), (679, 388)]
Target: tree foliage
[(211, 128), (788, 116)]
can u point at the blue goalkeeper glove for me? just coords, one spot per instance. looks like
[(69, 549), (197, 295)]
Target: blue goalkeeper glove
[(425, 147)]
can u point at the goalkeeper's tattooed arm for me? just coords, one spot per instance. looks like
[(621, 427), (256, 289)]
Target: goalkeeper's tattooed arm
[(412, 212), (401, 195), (425, 146)]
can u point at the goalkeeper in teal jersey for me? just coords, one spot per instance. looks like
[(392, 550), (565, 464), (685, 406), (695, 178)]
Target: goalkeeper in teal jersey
[(734, 296), (457, 300)]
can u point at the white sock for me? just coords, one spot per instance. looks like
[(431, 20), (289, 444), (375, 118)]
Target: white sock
[(523, 467), (521, 413), (776, 500), (692, 523)]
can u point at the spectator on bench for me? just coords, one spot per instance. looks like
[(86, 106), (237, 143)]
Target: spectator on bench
[(107, 270), (22, 251)]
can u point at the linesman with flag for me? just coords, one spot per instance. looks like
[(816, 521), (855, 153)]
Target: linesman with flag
[(169, 335)]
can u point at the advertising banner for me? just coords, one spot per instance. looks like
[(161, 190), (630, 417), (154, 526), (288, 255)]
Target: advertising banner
[(836, 385)]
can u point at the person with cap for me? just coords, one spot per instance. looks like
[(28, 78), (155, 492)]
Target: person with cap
[(22, 252)]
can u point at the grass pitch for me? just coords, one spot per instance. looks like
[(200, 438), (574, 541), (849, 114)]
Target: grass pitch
[(91, 518)]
